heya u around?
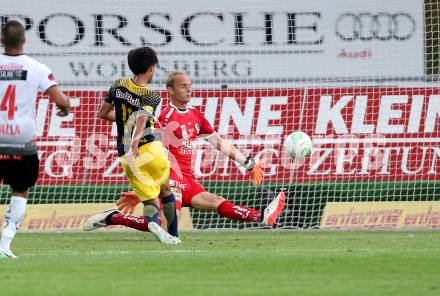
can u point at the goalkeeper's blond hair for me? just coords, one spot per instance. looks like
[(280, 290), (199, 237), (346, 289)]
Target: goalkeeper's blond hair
[(172, 77)]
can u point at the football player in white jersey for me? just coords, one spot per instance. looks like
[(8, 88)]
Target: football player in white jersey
[(21, 77)]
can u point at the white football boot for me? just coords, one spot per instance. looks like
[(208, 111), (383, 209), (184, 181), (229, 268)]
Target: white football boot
[(7, 255), (161, 235), (98, 220), (274, 209)]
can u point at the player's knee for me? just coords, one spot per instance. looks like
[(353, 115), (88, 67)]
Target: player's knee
[(165, 190), (215, 201), (154, 202)]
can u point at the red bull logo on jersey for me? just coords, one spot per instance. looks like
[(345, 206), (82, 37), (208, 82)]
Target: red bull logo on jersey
[(128, 98)]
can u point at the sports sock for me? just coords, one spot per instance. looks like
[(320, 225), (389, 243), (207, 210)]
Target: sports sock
[(169, 210), (135, 222), (13, 218), (238, 212)]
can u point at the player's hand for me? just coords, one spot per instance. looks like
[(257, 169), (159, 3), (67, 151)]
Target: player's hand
[(256, 174), (254, 168), (128, 202), (132, 154)]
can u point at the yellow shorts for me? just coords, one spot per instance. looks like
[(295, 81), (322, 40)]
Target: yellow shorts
[(148, 171)]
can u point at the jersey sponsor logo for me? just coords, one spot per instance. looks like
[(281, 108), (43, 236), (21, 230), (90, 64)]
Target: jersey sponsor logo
[(13, 74), (177, 184), (187, 147), (11, 66), (128, 97), (51, 77)]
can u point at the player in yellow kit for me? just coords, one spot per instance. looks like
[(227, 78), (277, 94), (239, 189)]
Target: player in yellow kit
[(132, 103)]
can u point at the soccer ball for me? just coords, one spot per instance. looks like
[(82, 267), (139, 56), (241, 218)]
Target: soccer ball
[(298, 145)]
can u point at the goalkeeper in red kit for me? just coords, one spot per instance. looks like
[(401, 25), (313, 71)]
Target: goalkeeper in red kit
[(182, 125)]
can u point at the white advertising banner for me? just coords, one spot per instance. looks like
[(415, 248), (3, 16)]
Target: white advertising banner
[(226, 41)]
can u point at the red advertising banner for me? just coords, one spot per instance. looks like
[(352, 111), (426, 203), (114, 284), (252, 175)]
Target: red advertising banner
[(368, 134)]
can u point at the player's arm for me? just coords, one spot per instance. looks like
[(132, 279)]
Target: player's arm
[(226, 148), (253, 167), (107, 111), (59, 99), (138, 130), (233, 153), (47, 83)]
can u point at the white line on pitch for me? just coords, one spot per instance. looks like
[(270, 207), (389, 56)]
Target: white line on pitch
[(107, 252)]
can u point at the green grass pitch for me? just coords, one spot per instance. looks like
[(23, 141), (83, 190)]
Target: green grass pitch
[(225, 263)]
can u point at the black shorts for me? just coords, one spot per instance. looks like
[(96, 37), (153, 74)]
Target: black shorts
[(20, 172)]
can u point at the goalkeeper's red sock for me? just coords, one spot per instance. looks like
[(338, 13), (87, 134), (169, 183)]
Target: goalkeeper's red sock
[(136, 222), (238, 212)]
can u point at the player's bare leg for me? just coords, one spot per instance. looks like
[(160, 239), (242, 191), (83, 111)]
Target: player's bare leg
[(151, 214), (13, 219), (169, 209)]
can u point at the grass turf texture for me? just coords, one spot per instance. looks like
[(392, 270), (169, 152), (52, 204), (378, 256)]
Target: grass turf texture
[(225, 263)]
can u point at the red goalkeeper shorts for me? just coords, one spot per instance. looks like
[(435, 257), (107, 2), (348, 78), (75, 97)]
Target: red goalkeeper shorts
[(184, 190)]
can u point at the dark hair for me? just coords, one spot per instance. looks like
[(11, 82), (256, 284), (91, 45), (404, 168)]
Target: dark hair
[(13, 34), (139, 59)]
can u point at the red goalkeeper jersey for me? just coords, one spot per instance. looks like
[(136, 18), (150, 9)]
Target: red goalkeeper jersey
[(181, 129)]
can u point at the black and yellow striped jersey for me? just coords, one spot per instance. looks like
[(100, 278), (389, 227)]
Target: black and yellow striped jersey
[(128, 99)]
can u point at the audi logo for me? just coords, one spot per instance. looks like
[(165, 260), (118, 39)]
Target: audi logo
[(380, 26)]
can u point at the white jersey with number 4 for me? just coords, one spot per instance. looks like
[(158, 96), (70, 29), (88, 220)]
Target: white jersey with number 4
[(21, 77)]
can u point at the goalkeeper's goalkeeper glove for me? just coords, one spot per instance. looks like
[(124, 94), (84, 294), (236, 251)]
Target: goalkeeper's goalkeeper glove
[(254, 169), (128, 202)]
